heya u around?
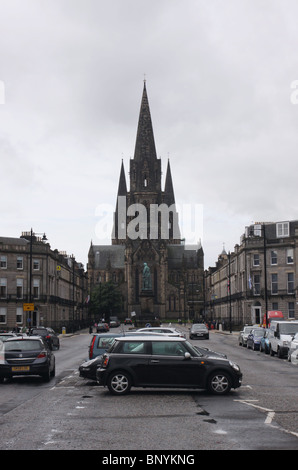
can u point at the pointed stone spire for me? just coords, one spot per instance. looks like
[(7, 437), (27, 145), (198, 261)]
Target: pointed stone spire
[(119, 226), (145, 167), (122, 188), (169, 189), (145, 144)]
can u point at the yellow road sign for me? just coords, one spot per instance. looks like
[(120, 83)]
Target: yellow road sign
[(28, 307)]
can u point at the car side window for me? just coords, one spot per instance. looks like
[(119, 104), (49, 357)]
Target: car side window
[(131, 347), (168, 348)]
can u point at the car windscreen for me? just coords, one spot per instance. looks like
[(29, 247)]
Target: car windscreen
[(28, 345), (193, 351), (288, 329)]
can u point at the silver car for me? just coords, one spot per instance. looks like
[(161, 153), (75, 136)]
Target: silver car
[(242, 338)]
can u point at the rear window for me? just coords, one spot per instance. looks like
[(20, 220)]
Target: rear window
[(105, 343), (30, 345), (39, 332)]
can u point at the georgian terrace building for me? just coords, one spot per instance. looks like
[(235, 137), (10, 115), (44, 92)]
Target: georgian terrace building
[(40, 286), (261, 274)]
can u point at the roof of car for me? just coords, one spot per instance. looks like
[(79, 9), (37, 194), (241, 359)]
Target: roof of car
[(151, 338), (24, 338)]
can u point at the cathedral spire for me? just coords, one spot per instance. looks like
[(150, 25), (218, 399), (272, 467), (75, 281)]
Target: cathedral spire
[(169, 189), (122, 188), (145, 167), (122, 191), (145, 144)]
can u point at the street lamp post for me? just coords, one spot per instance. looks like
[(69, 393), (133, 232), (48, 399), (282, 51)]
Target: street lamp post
[(230, 297), (265, 277)]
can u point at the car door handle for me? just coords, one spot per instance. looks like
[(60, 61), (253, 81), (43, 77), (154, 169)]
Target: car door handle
[(154, 361)]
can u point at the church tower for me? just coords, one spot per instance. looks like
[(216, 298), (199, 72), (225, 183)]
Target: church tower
[(147, 259), (145, 190)]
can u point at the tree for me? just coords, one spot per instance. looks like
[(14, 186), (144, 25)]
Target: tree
[(105, 300)]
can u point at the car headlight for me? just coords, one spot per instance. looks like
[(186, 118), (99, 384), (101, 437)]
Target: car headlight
[(234, 366)]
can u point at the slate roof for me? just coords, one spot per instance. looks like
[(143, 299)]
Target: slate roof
[(105, 255)]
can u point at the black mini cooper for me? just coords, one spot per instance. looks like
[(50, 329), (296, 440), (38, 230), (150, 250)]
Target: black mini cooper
[(157, 361)]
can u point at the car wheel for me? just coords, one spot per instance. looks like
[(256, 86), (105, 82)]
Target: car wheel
[(219, 383), (47, 376), (289, 356), (53, 373), (119, 383), (271, 352), (279, 353)]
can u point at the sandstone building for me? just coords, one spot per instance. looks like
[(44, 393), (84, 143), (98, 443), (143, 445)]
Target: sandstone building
[(32, 274), (261, 274)]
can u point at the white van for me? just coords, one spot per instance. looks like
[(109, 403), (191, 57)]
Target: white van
[(283, 333)]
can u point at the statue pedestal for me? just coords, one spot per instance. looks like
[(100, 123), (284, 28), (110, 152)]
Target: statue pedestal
[(146, 300)]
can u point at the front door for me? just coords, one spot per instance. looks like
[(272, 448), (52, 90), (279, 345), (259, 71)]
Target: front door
[(168, 366)]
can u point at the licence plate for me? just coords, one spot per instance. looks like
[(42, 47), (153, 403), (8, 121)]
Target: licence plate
[(20, 368)]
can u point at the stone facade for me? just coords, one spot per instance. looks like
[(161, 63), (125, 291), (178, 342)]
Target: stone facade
[(261, 274), (176, 271), (56, 285)]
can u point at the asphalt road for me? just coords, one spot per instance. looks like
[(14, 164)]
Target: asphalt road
[(71, 413)]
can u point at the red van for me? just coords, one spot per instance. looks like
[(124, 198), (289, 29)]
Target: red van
[(272, 315)]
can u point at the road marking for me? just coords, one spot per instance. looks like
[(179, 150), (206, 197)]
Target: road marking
[(270, 415)]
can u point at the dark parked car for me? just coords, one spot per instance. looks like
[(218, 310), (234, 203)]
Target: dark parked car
[(164, 361), (88, 368), (254, 338), (27, 355), (48, 334), (199, 330), (102, 327)]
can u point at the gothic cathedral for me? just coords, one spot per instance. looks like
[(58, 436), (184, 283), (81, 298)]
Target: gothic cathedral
[(158, 275)]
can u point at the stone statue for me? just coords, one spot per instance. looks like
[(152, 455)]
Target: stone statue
[(146, 278)]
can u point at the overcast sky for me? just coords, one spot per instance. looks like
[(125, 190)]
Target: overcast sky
[(218, 76)]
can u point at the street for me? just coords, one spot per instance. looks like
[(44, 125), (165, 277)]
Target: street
[(72, 413)]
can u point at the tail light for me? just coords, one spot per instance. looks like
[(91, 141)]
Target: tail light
[(91, 347), (105, 361), (41, 355)]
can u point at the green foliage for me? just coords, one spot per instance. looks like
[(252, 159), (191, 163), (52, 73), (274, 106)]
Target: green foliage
[(105, 300)]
